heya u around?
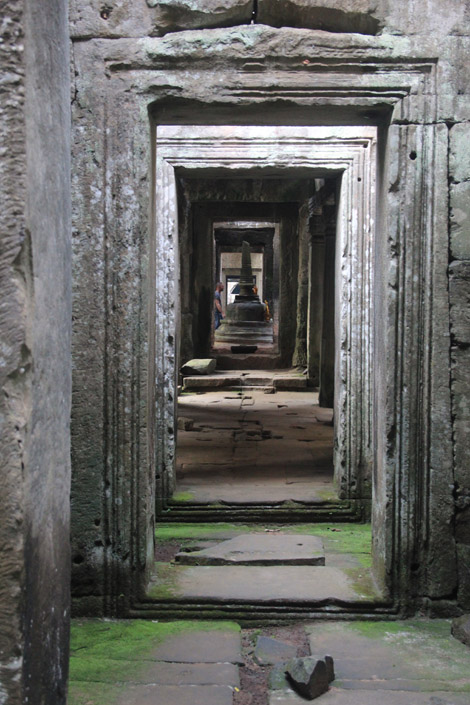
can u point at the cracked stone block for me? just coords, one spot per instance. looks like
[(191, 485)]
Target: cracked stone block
[(353, 16), (461, 628)]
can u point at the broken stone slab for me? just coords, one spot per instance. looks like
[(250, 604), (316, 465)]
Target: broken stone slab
[(461, 628), (310, 677), (260, 549), (270, 651), (202, 366)]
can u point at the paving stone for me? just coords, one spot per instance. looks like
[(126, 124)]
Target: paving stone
[(215, 646), (176, 695), (163, 672), (270, 651), (335, 696), (260, 549), (391, 654), (461, 628), (264, 583), (203, 366)]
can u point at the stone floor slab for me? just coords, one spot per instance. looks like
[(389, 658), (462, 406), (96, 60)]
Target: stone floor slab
[(260, 550), (215, 646), (336, 696), (176, 695), (162, 672), (290, 449), (263, 583)]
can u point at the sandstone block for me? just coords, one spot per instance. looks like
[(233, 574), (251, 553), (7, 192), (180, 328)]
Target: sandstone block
[(353, 16), (460, 220), (176, 15), (459, 158), (459, 291), (461, 410), (199, 367)]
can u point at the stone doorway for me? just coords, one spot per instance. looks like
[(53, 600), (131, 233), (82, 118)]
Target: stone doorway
[(340, 164)]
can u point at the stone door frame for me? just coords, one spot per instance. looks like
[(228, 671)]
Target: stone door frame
[(322, 79), (348, 151)]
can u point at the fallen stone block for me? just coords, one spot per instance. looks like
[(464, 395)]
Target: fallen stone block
[(185, 424), (310, 677), (461, 628), (203, 366)]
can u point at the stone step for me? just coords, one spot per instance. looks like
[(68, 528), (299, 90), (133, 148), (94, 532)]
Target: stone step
[(259, 549), (221, 380), (264, 584)]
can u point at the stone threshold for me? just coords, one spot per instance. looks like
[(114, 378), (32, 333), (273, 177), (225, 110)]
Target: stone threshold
[(255, 613), (287, 512)]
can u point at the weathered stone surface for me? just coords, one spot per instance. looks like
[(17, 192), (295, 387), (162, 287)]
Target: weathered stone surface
[(461, 628), (459, 294), (215, 646), (260, 549), (459, 155), (308, 677), (351, 16), (209, 382), (270, 651), (264, 583), (174, 15), (460, 220), (35, 369), (177, 695), (199, 367)]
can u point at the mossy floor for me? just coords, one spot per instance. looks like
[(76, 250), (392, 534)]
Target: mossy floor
[(108, 657), (407, 662), (347, 550)]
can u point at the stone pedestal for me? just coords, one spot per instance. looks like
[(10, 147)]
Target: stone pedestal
[(244, 321)]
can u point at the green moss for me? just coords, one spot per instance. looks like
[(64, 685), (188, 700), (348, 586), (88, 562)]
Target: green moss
[(104, 653), (90, 693), (129, 639), (165, 587), (172, 532), (183, 497)]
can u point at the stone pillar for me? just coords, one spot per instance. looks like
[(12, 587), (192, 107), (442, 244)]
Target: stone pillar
[(300, 353), (327, 357), (35, 319), (315, 318)]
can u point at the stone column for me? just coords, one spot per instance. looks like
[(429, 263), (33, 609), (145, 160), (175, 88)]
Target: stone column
[(35, 320)]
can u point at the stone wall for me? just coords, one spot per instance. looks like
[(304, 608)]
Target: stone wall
[(397, 65), (35, 352)]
